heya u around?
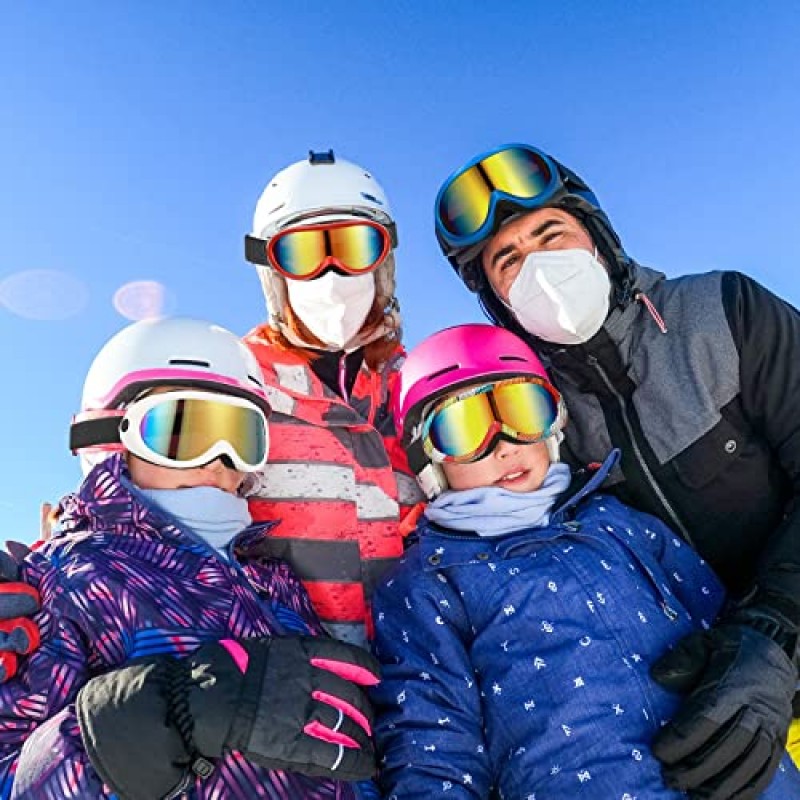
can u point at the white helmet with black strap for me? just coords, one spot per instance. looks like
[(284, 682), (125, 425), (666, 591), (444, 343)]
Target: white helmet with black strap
[(321, 189)]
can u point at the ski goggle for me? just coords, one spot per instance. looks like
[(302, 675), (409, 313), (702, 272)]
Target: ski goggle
[(464, 427), (188, 428), (467, 201), (304, 252)]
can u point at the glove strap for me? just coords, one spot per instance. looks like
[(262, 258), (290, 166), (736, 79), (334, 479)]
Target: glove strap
[(772, 625), (179, 716)]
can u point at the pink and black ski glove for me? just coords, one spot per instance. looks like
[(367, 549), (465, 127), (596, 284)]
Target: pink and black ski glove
[(295, 703)]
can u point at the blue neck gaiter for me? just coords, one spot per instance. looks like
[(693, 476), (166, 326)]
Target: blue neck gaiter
[(214, 515), (492, 511)]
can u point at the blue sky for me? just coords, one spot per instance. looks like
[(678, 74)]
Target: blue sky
[(136, 138)]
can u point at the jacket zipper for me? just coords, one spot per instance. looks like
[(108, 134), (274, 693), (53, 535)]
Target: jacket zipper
[(671, 513)]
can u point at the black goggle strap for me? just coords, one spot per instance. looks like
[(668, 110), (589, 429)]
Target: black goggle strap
[(85, 433), (255, 250)]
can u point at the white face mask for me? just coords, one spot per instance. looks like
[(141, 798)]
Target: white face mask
[(561, 296), (333, 307)]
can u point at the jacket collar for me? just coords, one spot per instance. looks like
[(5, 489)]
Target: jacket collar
[(583, 484), (440, 548)]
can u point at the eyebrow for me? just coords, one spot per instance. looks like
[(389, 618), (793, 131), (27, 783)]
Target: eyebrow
[(536, 232)]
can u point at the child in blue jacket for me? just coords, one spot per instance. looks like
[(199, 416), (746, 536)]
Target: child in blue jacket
[(176, 658), (517, 635)]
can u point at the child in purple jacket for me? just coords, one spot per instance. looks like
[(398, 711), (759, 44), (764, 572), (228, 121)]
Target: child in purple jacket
[(517, 635), (154, 576)]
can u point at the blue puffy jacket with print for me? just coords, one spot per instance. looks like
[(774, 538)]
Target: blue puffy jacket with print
[(518, 666)]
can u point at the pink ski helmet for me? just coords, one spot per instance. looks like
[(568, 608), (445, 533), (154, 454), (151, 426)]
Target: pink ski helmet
[(446, 361)]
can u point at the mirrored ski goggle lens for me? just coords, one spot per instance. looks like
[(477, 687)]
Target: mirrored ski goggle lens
[(298, 253), (460, 427), (358, 248), (529, 408), (185, 429), (464, 205)]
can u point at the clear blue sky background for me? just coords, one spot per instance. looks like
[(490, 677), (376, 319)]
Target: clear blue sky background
[(136, 138)]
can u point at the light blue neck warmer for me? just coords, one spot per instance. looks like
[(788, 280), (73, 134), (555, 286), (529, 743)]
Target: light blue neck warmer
[(216, 516), (492, 511)]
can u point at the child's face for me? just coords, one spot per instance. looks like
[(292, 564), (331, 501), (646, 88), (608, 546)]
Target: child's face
[(151, 476), (512, 466)]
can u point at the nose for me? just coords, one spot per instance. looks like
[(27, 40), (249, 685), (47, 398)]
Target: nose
[(215, 466), (504, 448)]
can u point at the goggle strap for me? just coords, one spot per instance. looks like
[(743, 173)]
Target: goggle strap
[(94, 432), (392, 228), (255, 250)]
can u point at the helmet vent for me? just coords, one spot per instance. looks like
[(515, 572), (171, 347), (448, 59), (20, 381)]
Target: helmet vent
[(511, 358), (189, 362), (256, 381), (434, 375)]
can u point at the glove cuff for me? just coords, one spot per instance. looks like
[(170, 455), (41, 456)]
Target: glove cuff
[(769, 621), (179, 715)]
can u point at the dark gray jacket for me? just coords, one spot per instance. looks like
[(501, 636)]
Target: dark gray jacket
[(707, 416)]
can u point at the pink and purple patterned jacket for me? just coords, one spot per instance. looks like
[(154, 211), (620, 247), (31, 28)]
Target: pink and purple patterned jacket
[(118, 581)]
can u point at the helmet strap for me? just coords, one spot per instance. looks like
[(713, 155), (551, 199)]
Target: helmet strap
[(553, 444), (431, 480)]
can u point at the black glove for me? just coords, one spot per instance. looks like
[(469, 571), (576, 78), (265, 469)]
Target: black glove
[(293, 703), (18, 601), (727, 738)]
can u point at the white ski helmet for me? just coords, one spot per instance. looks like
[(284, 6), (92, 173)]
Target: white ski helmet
[(322, 188), (172, 351)]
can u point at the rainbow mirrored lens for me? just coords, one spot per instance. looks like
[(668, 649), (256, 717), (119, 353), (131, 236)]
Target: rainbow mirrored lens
[(300, 253), (465, 204), (530, 409), (461, 427), (183, 429)]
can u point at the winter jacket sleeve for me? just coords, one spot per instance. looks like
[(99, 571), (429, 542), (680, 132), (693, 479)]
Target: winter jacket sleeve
[(41, 749), (429, 728), (766, 330)]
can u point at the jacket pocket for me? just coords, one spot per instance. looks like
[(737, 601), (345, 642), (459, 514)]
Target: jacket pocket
[(712, 454)]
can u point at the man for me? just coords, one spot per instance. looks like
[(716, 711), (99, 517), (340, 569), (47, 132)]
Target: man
[(697, 380)]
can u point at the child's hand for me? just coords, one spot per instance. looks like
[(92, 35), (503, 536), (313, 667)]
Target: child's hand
[(300, 706), (295, 703)]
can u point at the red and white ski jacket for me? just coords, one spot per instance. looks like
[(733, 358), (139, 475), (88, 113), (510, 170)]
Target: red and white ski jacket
[(337, 482)]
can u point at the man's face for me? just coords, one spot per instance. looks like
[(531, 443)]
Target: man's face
[(543, 229)]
